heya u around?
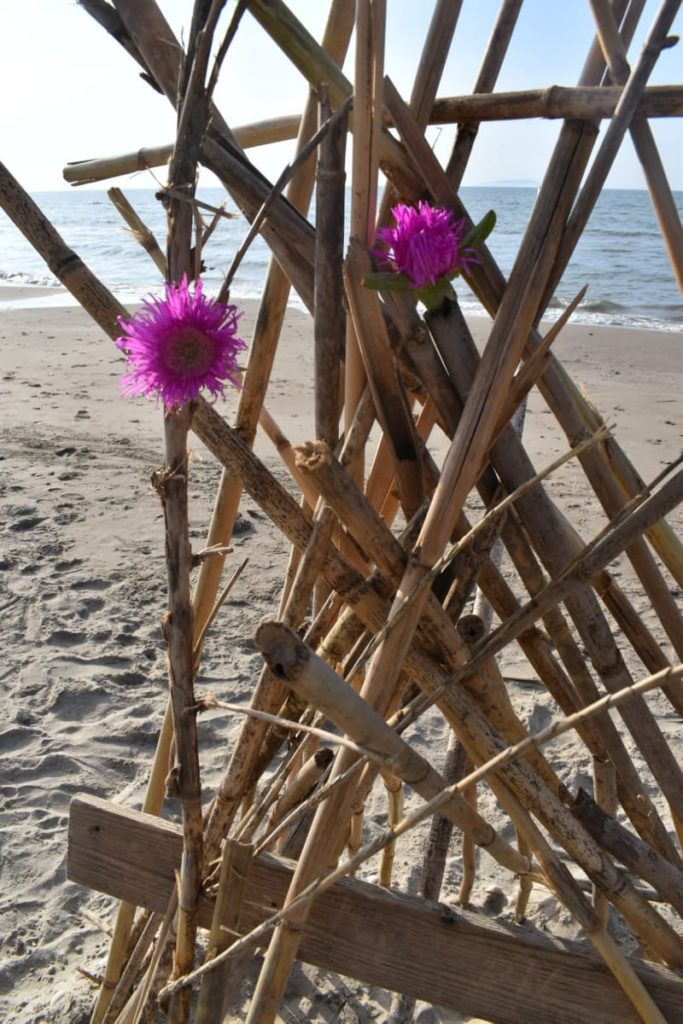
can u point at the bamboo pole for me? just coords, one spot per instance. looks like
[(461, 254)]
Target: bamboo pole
[(329, 322), (486, 79), (391, 404), (428, 75), (583, 103)]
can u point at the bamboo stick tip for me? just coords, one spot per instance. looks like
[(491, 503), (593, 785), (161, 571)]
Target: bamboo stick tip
[(281, 648)]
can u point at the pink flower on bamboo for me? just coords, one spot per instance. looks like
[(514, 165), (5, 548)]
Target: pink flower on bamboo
[(425, 245), (180, 345)]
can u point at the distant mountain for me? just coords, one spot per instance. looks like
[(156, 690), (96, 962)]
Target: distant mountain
[(509, 183)]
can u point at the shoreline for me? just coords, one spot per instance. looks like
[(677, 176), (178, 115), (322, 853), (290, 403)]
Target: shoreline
[(25, 296)]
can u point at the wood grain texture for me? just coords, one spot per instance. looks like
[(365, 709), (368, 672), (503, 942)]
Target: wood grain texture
[(459, 960)]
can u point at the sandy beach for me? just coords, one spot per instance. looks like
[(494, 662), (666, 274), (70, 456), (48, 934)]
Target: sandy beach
[(82, 590)]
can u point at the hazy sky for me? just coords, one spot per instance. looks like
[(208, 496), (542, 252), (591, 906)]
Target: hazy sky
[(70, 92)]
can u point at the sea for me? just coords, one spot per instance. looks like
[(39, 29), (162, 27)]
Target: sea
[(621, 256)]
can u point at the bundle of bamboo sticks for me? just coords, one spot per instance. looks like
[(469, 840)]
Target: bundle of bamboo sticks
[(372, 627)]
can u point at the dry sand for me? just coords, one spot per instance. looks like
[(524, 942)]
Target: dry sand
[(82, 589)]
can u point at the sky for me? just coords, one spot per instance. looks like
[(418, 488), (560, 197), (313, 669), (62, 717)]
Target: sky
[(70, 92)]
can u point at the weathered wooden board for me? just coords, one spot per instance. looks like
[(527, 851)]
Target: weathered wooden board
[(457, 959)]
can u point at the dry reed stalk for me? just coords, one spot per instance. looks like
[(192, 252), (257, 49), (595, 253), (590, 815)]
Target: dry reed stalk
[(140, 231), (534, 367), (436, 848), (286, 453), (640, 859), (132, 1011), (394, 787), (485, 82), (381, 490), (300, 785), (602, 550), (571, 103), (259, 133), (221, 987), (363, 190), (268, 694), (120, 992), (294, 611), (643, 140), (637, 633), (467, 852)]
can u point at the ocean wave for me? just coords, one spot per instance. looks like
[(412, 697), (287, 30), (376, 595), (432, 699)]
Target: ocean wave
[(21, 279)]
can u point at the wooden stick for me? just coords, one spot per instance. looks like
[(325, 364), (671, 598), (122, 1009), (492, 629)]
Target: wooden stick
[(172, 486), (140, 231), (633, 853), (218, 988)]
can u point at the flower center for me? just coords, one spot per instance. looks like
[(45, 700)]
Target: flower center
[(189, 352)]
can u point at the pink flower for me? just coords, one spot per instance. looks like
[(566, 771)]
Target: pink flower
[(425, 245), (178, 345)]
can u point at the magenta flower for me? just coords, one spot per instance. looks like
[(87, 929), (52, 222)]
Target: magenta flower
[(425, 246), (178, 345)]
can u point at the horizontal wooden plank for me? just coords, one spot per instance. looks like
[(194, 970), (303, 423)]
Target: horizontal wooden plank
[(455, 959)]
